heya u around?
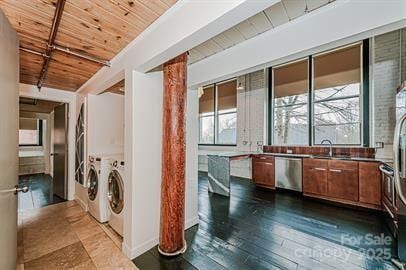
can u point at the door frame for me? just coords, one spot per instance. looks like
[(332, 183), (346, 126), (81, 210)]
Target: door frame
[(52, 94)]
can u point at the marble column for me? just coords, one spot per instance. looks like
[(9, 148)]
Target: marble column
[(172, 227)]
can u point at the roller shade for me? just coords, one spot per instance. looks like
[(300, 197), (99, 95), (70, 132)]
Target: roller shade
[(28, 124), (291, 79), (206, 101), (341, 67), (227, 95)]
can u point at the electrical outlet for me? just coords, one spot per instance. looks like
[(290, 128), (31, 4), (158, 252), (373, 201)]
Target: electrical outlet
[(379, 145)]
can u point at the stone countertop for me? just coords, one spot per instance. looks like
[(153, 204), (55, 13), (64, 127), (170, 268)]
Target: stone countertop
[(236, 154), (232, 154), (363, 159)]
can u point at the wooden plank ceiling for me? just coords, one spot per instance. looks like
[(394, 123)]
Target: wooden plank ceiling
[(117, 88), (266, 20), (37, 105), (99, 28)]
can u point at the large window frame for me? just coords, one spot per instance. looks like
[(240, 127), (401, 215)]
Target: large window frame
[(363, 97), (217, 114), (40, 136), (272, 102)]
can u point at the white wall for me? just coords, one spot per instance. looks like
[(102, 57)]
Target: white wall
[(143, 118), (105, 124), (58, 95), (143, 145), (192, 139)]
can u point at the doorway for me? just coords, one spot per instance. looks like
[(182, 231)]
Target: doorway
[(42, 151)]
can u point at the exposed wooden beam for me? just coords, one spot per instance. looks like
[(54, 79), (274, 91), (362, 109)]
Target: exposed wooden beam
[(51, 40)]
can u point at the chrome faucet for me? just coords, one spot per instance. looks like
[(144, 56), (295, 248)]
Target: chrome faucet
[(330, 153)]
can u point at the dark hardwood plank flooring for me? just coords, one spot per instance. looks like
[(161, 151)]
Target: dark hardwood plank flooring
[(40, 192), (258, 228)]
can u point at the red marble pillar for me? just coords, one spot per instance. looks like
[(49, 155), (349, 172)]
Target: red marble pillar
[(172, 238)]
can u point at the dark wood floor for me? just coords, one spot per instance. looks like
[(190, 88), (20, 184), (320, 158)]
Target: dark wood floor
[(40, 192), (261, 229)]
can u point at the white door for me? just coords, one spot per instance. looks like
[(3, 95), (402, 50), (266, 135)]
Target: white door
[(9, 79)]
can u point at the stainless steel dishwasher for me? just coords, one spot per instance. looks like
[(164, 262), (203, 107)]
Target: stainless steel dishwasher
[(288, 173)]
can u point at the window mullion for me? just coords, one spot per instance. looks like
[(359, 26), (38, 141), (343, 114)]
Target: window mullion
[(215, 114)]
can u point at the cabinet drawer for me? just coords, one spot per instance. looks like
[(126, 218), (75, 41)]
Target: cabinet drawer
[(315, 163), (343, 165), (263, 158)]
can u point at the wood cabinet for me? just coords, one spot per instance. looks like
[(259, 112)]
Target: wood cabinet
[(342, 180), (315, 176), (263, 170), (370, 183), (331, 178)]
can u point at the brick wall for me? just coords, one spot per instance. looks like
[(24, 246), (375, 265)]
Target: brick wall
[(386, 78)]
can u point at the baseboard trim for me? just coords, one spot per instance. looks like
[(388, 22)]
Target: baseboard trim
[(132, 253), (191, 222), (81, 203)]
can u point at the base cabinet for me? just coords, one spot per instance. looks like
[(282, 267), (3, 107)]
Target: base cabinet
[(315, 176), (370, 187), (336, 180), (342, 180), (263, 171)]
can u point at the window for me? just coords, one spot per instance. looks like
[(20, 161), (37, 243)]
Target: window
[(336, 95), (206, 115), (329, 100), (290, 102), (218, 114), (30, 132)]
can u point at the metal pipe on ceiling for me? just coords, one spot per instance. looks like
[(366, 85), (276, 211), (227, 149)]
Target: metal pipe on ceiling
[(33, 52), (60, 5), (87, 57)]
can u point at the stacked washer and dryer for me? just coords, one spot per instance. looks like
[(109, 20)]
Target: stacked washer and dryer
[(106, 190), (115, 195)]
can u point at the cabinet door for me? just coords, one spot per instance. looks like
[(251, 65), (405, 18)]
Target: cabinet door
[(315, 176), (263, 173), (342, 180), (369, 183)]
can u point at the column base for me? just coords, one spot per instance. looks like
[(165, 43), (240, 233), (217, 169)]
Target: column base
[(181, 251)]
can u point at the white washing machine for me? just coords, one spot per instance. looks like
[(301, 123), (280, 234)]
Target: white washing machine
[(97, 176), (115, 196)]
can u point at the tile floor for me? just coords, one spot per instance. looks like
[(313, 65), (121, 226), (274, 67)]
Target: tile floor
[(64, 236)]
